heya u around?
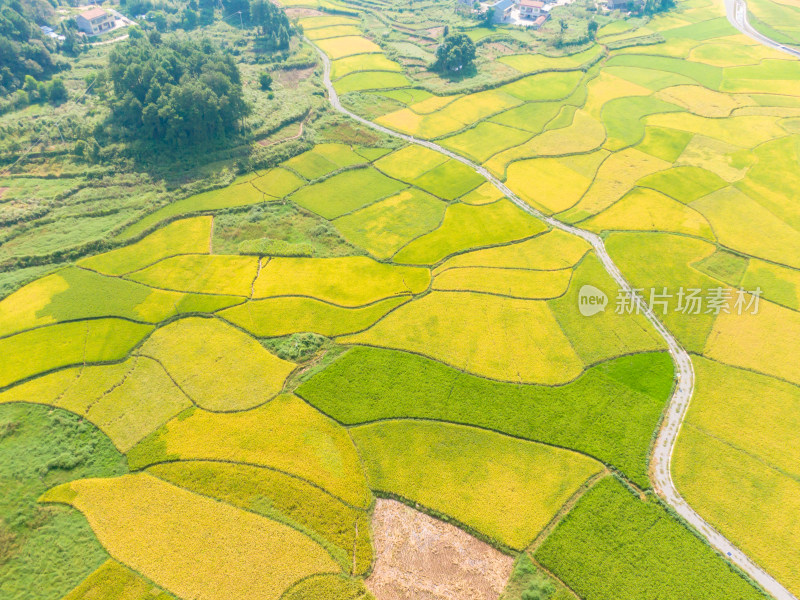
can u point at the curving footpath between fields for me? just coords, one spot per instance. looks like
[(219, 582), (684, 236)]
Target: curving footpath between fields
[(684, 371)]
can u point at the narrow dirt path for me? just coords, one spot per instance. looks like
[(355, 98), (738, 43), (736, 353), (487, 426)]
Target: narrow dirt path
[(684, 371)]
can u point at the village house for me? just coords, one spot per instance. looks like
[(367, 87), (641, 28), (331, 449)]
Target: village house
[(95, 20), (501, 10), (531, 9)]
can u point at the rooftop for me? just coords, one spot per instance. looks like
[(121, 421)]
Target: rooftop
[(532, 3), (93, 13)]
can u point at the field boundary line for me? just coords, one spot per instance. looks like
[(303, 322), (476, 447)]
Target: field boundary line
[(678, 404), (565, 509), (255, 466)]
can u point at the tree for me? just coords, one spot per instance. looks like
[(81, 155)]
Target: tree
[(57, 91), (456, 53), (265, 79), (180, 93), (272, 24), (592, 29), (24, 50)]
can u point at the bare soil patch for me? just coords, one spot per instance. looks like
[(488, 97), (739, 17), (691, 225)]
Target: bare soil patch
[(421, 558), (303, 12), (3, 190), (435, 32), (291, 77)]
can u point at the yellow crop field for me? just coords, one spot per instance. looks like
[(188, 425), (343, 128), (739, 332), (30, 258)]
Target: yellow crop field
[(767, 342), (606, 87), (23, 309), (309, 23), (517, 283), (78, 342), (285, 434), (192, 545), (323, 159), (115, 581), (281, 316), (643, 209), (615, 177), (549, 251), (466, 226), (749, 502), (187, 236), (429, 126), (474, 107), (486, 193), (73, 293), (701, 101), (528, 63), (745, 132), (582, 135), (433, 104), (720, 158), (505, 488), (127, 401), (547, 183), (348, 45), (322, 33), (496, 337), (485, 140), (780, 284), (606, 334), (730, 53), (740, 223), (734, 462), (363, 62), (410, 162), (141, 402), (218, 366), (336, 526), (347, 281), (386, 226), (216, 274)]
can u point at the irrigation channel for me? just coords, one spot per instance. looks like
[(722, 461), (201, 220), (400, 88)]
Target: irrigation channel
[(661, 458)]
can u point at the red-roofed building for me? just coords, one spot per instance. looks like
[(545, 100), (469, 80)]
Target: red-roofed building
[(95, 20), (539, 21), (530, 9)]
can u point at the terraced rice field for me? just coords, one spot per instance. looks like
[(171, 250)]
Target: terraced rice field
[(263, 402)]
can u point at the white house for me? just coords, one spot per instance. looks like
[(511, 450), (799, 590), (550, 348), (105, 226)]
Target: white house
[(531, 9), (95, 20)]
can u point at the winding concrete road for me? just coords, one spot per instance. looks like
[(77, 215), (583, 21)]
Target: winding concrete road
[(661, 459), (737, 15)]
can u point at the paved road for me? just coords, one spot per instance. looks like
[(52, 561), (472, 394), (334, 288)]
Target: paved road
[(737, 15), (684, 371)]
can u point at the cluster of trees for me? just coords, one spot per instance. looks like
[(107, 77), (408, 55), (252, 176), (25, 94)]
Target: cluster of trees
[(24, 50), (272, 23), (182, 93), (270, 20), (456, 53), (172, 14), (651, 7)]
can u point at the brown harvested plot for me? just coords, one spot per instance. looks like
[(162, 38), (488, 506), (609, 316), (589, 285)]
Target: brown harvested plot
[(422, 558)]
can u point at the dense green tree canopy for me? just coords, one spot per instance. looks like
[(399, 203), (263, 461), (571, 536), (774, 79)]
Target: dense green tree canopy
[(180, 93), (455, 53), (23, 48), (272, 23)]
